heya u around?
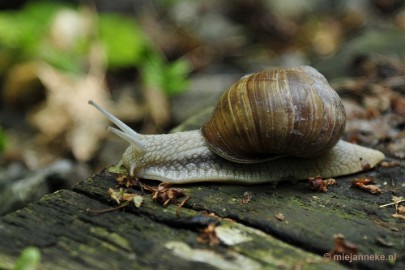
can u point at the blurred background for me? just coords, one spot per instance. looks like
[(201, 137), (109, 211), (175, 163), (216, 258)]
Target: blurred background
[(155, 63)]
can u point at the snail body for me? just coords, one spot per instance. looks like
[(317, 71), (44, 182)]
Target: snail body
[(204, 155), (186, 158)]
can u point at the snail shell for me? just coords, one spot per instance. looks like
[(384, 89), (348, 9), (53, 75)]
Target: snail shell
[(273, 113), (299, 108)]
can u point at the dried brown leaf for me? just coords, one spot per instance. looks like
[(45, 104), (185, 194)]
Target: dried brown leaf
[(123, 198), (317, 184), (399, 216), (279, 216), (158, 108), (395, 201), (208, 235), (115, 195), (401, 209), (342, 246), (128, 181), (365, 184), (66, 110), (388, 164), (247, 196), (164, 193)]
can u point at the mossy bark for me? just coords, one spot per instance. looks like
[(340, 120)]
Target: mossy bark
[(154, 237)]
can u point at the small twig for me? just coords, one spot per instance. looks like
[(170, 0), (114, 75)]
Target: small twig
[(102, 211), (181, 205), (388, 204), (396, 202)]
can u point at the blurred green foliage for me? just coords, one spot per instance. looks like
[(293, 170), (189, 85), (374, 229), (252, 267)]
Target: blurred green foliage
[(170, 77), (25, 35), (123, 41), (29, 259), (3, 140), (21, 32)]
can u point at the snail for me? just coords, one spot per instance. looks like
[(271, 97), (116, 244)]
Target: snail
[(274, 125)]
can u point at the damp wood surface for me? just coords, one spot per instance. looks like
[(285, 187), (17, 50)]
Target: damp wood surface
[(250, 234)]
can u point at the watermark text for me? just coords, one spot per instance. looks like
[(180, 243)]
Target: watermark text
[(359, 257)]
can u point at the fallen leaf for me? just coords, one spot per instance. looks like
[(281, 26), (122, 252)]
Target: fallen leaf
[(164, 193), (388, 164), (183, 202), (399, 216), (317, 184), (401, 209), (129, 181), (115, 195), (66, 111), (395, 201), (383, 242), (342, 246), (279, 216), (365, 184), (208, 235), (138, 200), (122, 197), (247, 196)]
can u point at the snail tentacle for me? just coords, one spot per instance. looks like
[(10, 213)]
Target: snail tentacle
[(194, 162), (126, 133), (292, 114), (135, 142)]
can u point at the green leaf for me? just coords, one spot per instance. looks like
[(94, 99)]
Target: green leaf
[(123, 41), (176, 77), (29, 259), (28, 38), (138, 200), (169, 77), (71, 61), (3, 140), (152, 71), (23, 30)]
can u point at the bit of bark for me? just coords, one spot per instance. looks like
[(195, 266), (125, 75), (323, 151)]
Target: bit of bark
[(382, 242), (399, 209), (129, 182), (279, 216), (213, 215), (164, 193), (122, 197), (317, 184), (342, 247), (208, 235), (365, 184), (183, 202), (399, 216), (388, 164), (247, 196), (395, 201)]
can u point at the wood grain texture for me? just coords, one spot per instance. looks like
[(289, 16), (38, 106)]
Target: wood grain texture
[(153, 237)]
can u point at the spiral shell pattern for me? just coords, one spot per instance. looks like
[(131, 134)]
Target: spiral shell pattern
[(279, 112)]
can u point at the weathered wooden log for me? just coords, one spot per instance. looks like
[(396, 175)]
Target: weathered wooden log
[(154, 237)]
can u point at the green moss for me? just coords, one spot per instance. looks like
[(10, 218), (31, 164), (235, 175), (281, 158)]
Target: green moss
[(117, 169), (6, 262), (110, 237)]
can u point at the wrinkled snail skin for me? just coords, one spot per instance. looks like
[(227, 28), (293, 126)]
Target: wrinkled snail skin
[(269, 126), (184, 158)]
